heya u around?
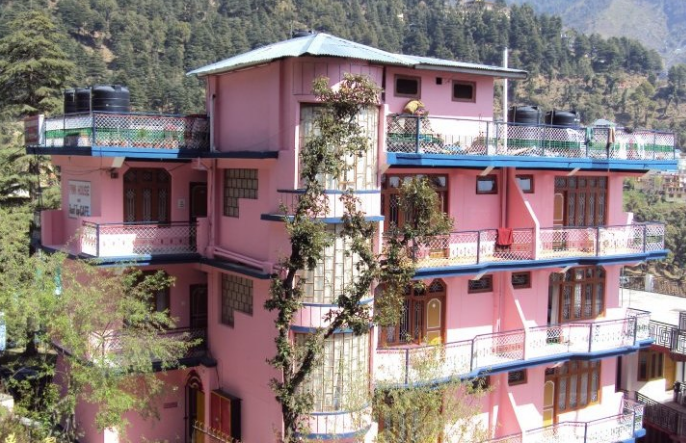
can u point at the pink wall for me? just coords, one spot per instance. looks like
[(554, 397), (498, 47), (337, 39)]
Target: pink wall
[(241, 352), (438, 98), (467, 315)]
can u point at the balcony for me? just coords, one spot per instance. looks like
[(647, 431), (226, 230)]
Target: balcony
[(117, 134), (510, 350), (670, 337), (467, 249), (666, 414), (619, 428), (137, 239), (415, 141)]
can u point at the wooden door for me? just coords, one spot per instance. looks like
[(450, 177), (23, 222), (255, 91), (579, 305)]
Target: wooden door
[(200, 415), (434, 320), (198, 306), (549, 403), (147, 195), (670, 372), (198, 201)]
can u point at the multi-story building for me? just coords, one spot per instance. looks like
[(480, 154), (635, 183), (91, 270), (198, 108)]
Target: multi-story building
[(523, 291), (655, 376)]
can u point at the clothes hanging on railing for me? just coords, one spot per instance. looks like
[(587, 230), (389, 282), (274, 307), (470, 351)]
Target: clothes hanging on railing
[(504, 238)]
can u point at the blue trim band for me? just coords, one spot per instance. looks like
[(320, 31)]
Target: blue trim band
[(311, 330), (149, 153), (327, 220), (329, 305), (481, 162), (454, 271), (331, 191)]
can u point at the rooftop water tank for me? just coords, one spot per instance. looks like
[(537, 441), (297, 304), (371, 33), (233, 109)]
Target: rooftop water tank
[(562, 118), (83, 100), (69, 101), (111, 98), (525, 114)]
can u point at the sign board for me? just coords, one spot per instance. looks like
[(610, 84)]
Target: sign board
[(79, 199), (33, 133)]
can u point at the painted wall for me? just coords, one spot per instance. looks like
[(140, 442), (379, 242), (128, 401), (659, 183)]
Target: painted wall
[(438, 98), (241, 352)]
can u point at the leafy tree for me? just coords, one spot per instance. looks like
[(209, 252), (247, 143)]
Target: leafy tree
[(33, 67), (339, 137)]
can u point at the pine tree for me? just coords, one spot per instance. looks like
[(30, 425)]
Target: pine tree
[(33, 67)]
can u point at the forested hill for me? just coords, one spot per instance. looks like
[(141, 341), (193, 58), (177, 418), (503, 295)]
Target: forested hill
[(148, 45), (658, 24)]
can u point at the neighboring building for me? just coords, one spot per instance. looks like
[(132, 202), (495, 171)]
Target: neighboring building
[(524, 291), (655, 376)]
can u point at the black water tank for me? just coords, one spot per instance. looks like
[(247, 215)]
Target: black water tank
[(69, 101), (525, 114), (111, 98), (83, 100), (562, 118)]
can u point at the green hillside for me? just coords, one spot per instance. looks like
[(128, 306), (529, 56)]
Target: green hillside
[(658, 24)]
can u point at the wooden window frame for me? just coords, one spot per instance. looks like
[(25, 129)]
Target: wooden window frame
[(491, 177), (463, 83), (413, 297), (529, 177), (407, 77), (388, 193), (522, 381), (575, 369), (489, 288), (570, 279), (527, 285), (578, 191), (225, 413), (654, 365)]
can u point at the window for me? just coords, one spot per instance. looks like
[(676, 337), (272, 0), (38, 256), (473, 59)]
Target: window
[(526, 183), (238, 183), (516, 377), (237, 295), (484, 284), (580, 293), (390, 196), (650, 365), (582, 200), (487, 185), (341, 381), (464, 91), (332, 274), (362, 172), (422, 317), (521, 280), (577, 384), (225, 411), (406, 86)]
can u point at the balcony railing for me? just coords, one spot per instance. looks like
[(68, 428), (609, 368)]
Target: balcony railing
[(662, 416), (106, 348), (137, 238), (475, 247), (127, 130), (419, 364), (453, 136), (617, 428)]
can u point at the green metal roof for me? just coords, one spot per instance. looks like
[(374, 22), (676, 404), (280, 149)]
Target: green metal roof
[(321, 44)]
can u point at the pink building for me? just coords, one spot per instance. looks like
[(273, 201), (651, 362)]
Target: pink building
[(523, 292)]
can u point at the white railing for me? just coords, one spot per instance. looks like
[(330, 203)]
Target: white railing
[(455, 136), (128, 130), (406, 365), (475, 247), (137, 238)]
